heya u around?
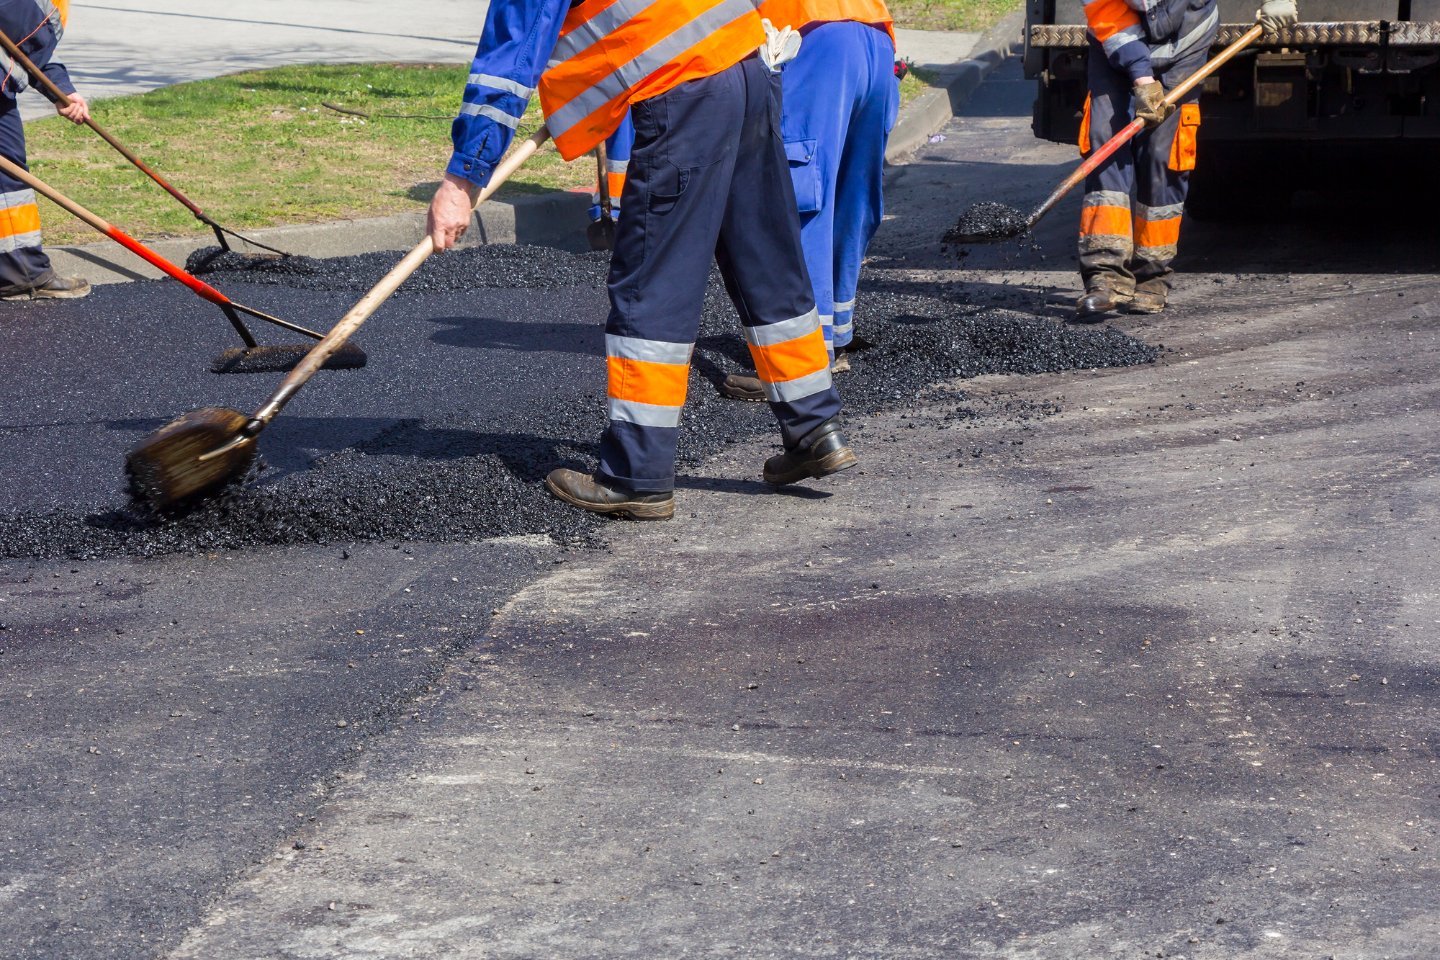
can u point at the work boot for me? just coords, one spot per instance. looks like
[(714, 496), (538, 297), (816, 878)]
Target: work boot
[(1102, 296), (56, 288), (745, 386), (820, 453), (588, 493), (742, 386), (1150, 297)]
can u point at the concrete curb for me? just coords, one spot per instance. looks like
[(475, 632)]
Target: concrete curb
[(933, 109), (556, 218)]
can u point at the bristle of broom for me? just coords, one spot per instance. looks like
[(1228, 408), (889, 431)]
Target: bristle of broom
[(165, 468), (283, 359)]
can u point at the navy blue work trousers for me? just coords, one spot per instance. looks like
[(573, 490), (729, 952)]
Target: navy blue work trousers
[(23, 265), (707, 182)]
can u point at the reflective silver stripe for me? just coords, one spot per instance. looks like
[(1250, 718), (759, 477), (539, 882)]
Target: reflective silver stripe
[(494, 113), (605, 22), (1107, 198), (17, 198), (844, 327), (845, 307), (644, 414), (651, 351), (501, 83), (1154, 214), (826, 320), (647, 62), (1128, 35), (773, 333), (617, 166), (1178, 48), (19, 241), (791, 390)]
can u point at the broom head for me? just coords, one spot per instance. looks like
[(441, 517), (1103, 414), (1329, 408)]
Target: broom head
[(283, 359), (165, 468)]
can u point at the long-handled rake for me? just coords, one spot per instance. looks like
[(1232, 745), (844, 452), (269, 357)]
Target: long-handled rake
[(978, 226), (206, 449), (251, 358), (222, 233)]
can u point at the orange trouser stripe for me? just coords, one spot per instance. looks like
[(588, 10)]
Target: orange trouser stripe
[(17, 220), (1157, 233), (616, 182), (791, 359), (1102, 221), (642, 381)]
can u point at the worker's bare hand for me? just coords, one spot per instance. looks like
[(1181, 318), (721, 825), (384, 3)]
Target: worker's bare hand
[(450, 211), (78, 110)]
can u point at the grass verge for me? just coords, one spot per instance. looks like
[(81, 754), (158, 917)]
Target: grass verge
[(963, 15), (259, 149)]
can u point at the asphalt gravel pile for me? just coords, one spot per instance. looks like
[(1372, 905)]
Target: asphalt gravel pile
[(985, 222), (458, 477), (517, 267), (218, 260)]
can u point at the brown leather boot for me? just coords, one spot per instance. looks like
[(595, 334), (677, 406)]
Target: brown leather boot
[(1102, 295), (821, 452), (588, 493), (1150, 297), (56, 288)]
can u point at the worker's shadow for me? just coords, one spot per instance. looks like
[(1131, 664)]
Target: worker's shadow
[(494, 333), (526, 456)]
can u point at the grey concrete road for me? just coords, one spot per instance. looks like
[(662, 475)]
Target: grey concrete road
[(1107, 664)]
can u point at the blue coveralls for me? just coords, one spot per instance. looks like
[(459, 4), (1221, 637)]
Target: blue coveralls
[(707, 181), (841, 100), (1130, 221), (37, 28), (617, 162)]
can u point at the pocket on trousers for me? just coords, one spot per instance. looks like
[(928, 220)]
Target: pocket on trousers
[(804, 173), (1182, 150), (667, 188), (1084, 141)]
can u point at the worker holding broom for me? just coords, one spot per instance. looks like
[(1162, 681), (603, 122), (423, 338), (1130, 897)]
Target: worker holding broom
[(25, 271), (707, 182), (1134, 202)]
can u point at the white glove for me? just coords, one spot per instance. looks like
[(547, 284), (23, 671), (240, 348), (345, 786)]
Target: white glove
[(780, 46), (1274, 14)]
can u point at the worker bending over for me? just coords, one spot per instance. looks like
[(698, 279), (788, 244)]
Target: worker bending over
[(25, 272), (841, 100), (1130, 221), (707, 180)]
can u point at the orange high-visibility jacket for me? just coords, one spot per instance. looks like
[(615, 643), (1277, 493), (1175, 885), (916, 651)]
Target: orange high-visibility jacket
[(612, 53), (798, 13)]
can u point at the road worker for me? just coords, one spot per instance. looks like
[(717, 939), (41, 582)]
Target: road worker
[(1130, 219), (25, 272), (707, 181), (841, 98)]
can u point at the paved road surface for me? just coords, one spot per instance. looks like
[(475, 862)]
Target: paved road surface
[(1112, 663)]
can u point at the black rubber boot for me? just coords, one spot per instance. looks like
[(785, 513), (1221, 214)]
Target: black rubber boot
[(588, 493), (823, 451)]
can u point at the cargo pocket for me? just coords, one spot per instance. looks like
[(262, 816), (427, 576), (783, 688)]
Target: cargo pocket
[(1084, 141), (1182, 150), (804, 173)]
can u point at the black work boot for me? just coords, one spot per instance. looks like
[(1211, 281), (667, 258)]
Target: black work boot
[(56, 288), (820, 453), (1102, 295), (588, 493), (1150, 297)]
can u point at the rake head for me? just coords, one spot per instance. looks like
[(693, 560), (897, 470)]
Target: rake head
[(283, 359), (166, 469)]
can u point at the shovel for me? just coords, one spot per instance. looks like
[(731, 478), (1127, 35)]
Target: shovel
[(983, 229), (18, 56), (206, 449), (601, 233)]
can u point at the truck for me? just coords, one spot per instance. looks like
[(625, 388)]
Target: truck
[(1351, 91)]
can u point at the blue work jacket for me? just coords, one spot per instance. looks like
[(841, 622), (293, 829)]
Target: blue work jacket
[(36, 27)]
